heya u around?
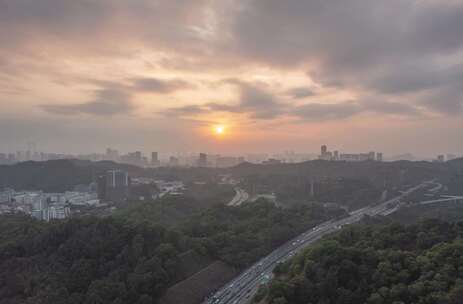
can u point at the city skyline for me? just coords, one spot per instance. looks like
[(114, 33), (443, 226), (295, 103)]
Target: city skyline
[(207, 159)]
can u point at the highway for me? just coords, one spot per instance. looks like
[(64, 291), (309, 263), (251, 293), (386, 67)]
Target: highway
[(455, 199), (240, 197), (241, 289)]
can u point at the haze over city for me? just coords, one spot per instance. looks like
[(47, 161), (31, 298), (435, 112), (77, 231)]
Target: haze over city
[(232, 77)]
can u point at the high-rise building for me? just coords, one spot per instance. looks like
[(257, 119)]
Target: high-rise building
[(379, 156), (101, 187), (336, 155), (155, 159), (202, 161), (324, 149), (440, 158), (117, 185), (325, 155)]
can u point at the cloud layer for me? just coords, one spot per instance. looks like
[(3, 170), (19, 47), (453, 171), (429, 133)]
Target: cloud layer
[(290, 62)]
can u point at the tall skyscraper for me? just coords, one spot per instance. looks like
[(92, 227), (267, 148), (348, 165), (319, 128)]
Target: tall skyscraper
[(379, 156), (117, 185), (138, 156), (202, 161), (325, 155), (324, 149), (101, 187), (155, 159)]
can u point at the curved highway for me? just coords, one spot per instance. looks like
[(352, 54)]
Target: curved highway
[(242, 288)]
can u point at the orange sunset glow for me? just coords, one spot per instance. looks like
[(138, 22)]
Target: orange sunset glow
[(157, 73), (219, 130)]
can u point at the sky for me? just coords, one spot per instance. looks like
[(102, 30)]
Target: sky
[(160, 75)]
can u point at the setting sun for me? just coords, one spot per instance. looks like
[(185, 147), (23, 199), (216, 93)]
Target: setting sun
[(219, 129)]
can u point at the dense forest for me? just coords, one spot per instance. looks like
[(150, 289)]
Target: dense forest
[(420, 263), (173, 209), (128, 260), (449, 212)]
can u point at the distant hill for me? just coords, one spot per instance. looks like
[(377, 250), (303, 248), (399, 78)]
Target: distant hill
[(61, 175), (320, 169), (456, 163), (351, 184), (56, 175)]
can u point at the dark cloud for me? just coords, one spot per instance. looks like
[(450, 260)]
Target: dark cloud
[(252, 100), (258, 103), (107, 24), (115, 97), (300, 92), (406, 78), (388, 47), (323, 112), (184, 111), (390, 108), (108, 102), (160, 86), (437, 26), (448, 100)]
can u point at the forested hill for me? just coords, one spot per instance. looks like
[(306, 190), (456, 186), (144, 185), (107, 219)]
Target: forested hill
[(422, 264), (377, 172), (56, 175), (134, 258), (61, 175)]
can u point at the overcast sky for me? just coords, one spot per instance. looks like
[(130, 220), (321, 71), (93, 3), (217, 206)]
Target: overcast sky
[(83, 75)]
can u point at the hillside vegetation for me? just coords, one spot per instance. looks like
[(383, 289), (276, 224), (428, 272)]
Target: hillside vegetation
[(135, 260), (375, 265)]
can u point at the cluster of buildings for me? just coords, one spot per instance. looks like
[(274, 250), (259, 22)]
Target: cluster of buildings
[(351, 157), (44, 206), (442, 158), (115, 186), (134, 158)]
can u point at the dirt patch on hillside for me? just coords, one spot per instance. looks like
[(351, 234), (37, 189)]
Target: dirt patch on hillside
[(194, 289)]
